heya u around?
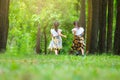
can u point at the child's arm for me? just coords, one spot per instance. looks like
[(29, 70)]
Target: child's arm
[(62, 35), (74, 32), (82, 34), (82, 30)]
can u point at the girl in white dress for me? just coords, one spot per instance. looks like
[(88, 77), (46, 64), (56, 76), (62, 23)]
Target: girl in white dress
[(56, 42), (78, 42)]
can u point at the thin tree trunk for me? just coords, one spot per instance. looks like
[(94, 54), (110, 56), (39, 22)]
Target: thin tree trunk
[(117, 31), (38, 49), (82, 18), (4, 23), (45, 40), (102, 26), (110, 25), (89, 25), (95, 25)]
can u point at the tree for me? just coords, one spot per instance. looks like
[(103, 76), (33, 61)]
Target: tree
[(4, 23), (110, 25), (45, 39), (95, 25), (38, 49), (117, 31), (89, 25), (102, 25), (82, 18)]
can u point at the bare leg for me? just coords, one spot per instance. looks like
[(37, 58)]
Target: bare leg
[(56, 52), (82, 51)]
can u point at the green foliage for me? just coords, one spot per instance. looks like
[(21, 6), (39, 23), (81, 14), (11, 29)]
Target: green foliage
[(25, 15), (62, 67)]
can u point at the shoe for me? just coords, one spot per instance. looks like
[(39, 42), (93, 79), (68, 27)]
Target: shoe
[(77, 53), (84, 56)]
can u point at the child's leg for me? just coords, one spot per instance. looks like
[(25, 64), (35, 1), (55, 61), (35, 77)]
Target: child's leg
[(82, 51), (78, 53), (56, 52)]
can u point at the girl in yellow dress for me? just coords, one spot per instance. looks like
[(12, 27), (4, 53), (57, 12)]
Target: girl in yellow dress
[(78, 42)]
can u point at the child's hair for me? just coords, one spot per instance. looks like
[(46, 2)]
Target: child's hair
[(76, 23), (56, 24)]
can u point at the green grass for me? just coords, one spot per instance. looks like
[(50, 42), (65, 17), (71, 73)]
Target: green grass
[(62, 67)]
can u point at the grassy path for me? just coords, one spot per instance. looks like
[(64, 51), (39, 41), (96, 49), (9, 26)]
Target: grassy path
[(62, 67)]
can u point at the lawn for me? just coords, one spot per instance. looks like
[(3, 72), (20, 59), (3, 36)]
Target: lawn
[(61, 67)]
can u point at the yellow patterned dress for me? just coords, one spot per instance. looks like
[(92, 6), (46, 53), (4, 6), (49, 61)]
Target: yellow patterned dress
[(78, 43)]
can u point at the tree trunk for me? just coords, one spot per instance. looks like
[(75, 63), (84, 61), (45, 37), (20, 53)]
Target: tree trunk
[(117, 31), (45, 40), (82, 18), (38, 49), (4, 23), (89, 25), (95, 25), (102, 26), (110, 25)]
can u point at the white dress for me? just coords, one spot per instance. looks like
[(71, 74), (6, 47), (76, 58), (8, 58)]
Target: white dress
[(56, 42)]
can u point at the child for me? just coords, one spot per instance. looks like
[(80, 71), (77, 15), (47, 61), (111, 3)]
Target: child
[(78, 42), (56, 42)]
